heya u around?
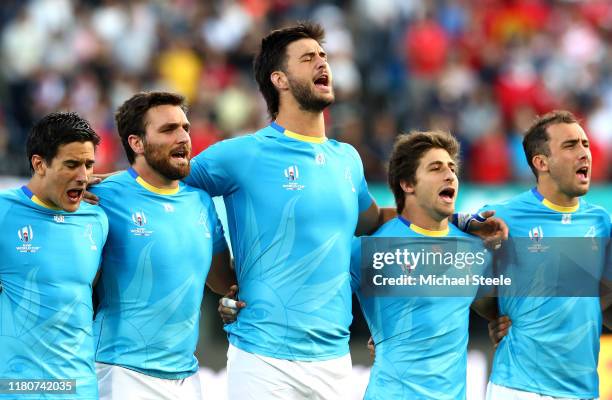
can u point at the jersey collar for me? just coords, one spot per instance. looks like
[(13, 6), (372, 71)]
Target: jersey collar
[(36, 200), (423, 231), (549, 204), (150, 187), (297, 136)]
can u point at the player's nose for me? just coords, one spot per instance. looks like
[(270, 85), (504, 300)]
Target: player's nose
[(183, 136), (449, 175), (82, 176)]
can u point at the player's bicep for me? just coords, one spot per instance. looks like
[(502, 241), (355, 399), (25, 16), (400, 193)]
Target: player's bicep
[(368, 220), (221, 275)]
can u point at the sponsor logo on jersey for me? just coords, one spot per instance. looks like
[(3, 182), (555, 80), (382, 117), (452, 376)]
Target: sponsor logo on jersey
[(168, 207), (89, 235), (566, 219), (26, 236), (140, 220), (203, 220), (292, 173), (349, 177), (320, 159), (58, 218), (591, 232)]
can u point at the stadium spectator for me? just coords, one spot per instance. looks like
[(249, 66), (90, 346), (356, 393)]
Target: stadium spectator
[(415, 60)]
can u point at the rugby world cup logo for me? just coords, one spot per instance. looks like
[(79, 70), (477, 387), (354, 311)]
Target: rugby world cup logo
[(26, 234), (536, 233), (139, 218), (292, 173)]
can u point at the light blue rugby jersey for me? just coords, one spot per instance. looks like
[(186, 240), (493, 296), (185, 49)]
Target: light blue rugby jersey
[(48, 261), (292, 204), (421, 342), (552, 346), (154, 268)]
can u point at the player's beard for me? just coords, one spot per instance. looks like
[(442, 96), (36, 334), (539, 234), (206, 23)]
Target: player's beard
[(159, 160), (305, 96), (564, 179)]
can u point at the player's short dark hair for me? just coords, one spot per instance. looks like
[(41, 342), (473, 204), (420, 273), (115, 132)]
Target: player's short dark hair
[(272, 57), (536, 138), (130, 117), (55, 130), (406, 156)]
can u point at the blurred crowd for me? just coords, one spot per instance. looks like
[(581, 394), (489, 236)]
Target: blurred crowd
[(481, 69)]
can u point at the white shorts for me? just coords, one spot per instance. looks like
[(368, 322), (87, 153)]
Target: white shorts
[(118, 383), (251, 376), (497, 392)]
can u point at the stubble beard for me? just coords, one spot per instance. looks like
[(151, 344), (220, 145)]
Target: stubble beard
[(160, 162), (306, 97)]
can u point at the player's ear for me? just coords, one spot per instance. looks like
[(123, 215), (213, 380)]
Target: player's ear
[(137, 144), (407, 187), (279, 80), (39, 165), (540, 162)]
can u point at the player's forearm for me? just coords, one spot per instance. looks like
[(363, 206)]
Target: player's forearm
[(486, 308), (221, 275)]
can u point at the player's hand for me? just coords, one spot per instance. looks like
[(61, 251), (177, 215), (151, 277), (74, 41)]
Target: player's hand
[(229, 307), (492, 231), (89, 197), (498, 328), (371, 348)]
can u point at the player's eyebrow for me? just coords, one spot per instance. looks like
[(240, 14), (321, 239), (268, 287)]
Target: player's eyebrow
[(322, 54), (440, 162), (170, 126), (78, 161), (573, 142), (308, 54)]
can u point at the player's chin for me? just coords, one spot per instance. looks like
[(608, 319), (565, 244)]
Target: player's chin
[(70, 205), (582, 189), (327, 97), (445, 209), (179, 171)]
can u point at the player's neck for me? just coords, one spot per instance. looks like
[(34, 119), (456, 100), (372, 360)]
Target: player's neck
[(551, 192), (424, 218), (303, 122), (36, 186), (151, 176)]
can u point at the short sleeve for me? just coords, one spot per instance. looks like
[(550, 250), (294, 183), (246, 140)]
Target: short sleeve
[(213, 169), (104, 225), (364, 197), (355, 264), (218, 235)]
